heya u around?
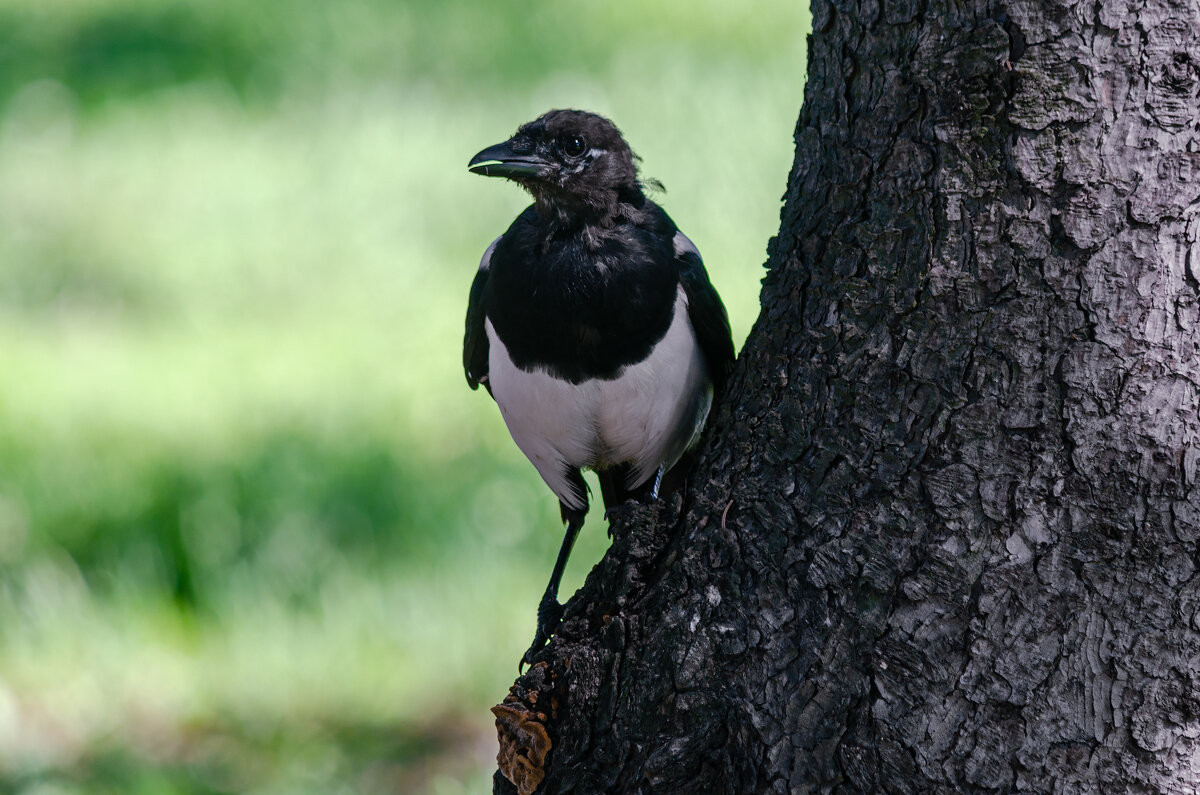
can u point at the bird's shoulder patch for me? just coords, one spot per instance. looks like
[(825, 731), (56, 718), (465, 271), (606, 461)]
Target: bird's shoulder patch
[(705, 310), (684, 245), (485, 262)]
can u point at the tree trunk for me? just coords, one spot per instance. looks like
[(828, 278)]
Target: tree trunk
[(944, 534)]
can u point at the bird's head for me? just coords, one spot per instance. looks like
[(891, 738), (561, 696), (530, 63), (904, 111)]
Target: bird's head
[(576, 164)]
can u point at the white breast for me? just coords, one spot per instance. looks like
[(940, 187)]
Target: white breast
[(647, 416)]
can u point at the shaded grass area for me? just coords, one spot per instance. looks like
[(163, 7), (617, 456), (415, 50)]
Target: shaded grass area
[(317, 758), (285, 699), (256, 535)]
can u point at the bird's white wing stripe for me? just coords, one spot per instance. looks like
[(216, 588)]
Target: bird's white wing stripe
[(683, 245), (486, 261)]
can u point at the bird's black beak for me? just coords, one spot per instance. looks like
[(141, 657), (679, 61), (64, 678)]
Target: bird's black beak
[(501, 161)]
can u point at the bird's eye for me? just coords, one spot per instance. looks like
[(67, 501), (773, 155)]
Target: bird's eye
[(572, 145)]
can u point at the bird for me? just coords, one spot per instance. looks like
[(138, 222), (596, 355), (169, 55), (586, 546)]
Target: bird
[(593, 325)]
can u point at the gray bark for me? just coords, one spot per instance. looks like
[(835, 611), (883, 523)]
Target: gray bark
[(944, 534)]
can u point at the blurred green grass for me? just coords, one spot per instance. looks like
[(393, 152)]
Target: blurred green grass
[(256, 535)]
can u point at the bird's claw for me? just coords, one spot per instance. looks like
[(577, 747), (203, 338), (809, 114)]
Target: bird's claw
[(615, 511), (550, 614), (539, 641)]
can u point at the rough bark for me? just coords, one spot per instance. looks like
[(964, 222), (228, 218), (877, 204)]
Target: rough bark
[(944, 536)]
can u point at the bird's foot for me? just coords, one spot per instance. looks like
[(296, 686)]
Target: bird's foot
[(550, 614), (616, 511)]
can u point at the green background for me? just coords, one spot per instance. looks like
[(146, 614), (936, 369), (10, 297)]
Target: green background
[(256, 533)]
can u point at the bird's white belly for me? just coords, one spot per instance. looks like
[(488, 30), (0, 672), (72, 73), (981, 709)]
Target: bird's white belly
[(647, 416)]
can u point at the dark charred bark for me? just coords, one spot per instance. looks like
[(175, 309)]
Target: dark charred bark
[(944, 536)]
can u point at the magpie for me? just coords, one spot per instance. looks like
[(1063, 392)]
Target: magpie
[(593, 325)]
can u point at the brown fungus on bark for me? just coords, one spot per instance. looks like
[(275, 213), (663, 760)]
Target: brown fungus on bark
[(524, 744)]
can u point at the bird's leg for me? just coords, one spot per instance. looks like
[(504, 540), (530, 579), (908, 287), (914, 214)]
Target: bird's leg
[(662, 470), (549, 610)]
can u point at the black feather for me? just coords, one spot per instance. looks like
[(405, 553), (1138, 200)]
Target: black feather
[(709, 319), (475, 342)]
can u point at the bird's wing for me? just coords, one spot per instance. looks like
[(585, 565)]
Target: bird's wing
[(706, 312), (475, 342)]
